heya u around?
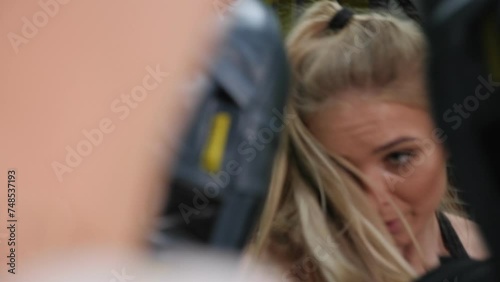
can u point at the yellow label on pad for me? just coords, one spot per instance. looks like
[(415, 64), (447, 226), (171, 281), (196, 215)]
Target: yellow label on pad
[(213, 154)]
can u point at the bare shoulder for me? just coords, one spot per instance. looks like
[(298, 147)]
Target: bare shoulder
[(470, 236)]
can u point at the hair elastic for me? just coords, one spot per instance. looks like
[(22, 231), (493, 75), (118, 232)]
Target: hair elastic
[(341, 19)]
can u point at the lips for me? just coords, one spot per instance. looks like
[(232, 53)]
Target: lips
[(394, 225)]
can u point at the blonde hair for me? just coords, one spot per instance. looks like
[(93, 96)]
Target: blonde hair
[(315, 211)]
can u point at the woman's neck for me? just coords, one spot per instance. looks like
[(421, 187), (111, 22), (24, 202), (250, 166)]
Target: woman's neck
[(431, 248)]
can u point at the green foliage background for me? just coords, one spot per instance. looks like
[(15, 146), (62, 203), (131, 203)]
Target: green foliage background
[(289, 10)]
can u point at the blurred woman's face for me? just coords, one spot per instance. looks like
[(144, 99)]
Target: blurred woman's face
[(395, 147)]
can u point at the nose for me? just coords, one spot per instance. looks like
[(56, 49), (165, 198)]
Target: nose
[(379, 187)]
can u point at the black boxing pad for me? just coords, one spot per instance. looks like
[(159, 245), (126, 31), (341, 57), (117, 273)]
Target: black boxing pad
[(224, 168), (464, 75)]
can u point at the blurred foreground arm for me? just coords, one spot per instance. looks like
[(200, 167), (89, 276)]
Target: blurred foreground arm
[(89, 108)]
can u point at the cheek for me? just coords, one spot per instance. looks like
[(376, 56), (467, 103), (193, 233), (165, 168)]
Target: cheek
[(423, 185)]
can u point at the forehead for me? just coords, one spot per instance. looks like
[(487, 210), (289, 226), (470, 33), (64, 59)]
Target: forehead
[(353, 125)]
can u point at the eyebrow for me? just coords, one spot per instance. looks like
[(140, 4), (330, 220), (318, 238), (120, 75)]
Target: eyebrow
[(393, 143)]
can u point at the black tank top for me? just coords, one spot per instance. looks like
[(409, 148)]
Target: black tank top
[(451, 240)]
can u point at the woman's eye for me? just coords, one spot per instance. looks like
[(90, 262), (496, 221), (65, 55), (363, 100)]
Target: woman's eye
[(400, 158)]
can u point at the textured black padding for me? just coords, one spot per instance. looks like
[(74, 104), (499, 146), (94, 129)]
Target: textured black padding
[(463, 270), (465, 96), (248, 82)]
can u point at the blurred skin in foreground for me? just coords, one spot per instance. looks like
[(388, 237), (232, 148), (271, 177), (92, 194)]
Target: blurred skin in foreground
[(90, 111)]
